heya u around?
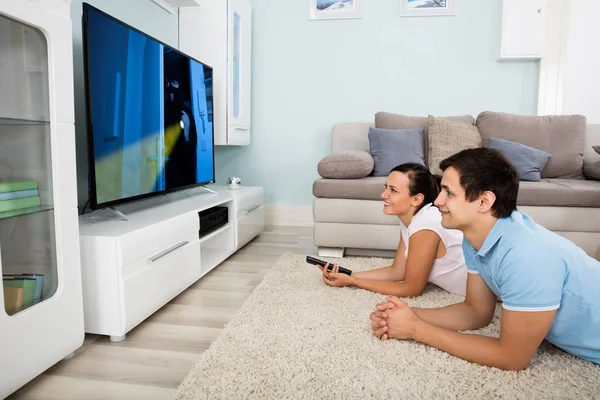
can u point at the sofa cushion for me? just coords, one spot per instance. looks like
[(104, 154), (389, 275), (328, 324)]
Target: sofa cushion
[(387, 120), (548, 192), (392, 147), (349, 164), (447, 138), (369, 188), (527, 160), (563, 136), (560, 192)]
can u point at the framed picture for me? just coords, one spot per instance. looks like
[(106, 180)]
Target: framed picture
[(334, 9), (420, 8)]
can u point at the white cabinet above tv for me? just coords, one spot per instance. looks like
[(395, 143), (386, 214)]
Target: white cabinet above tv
[(218, 34)]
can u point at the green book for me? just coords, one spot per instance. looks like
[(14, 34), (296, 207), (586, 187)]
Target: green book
[(13, 186), (17, 204), (20, 211), (27, 284)]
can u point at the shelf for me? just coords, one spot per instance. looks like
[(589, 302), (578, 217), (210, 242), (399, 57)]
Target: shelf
[(215, 233), (25, 211), (4, 121)]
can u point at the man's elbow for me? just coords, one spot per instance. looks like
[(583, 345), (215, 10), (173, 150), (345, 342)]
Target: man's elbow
[(481, 322), (480, 319)]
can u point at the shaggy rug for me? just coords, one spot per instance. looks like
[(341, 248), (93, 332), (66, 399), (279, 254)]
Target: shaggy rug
[(296, 337)]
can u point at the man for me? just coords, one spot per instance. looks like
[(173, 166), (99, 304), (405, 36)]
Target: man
[(549, 287)]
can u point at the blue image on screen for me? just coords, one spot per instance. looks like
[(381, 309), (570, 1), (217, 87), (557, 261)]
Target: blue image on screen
[(151, 113)]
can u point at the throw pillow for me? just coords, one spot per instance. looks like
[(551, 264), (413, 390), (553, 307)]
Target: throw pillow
[(563, 136), (447, 138), (388, 120), (392, 147), (527, 160), (348, 164)]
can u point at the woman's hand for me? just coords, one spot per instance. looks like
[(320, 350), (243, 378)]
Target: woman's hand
[(335, 278)]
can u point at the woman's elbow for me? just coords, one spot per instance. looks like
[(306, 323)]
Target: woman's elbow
[(411, 291)]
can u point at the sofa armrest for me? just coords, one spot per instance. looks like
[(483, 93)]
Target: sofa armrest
[(591, 159)]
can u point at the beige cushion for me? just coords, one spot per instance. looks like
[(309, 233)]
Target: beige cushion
[(563, 136), (548, 192), (560, 192), (447, 138), (387, 120), (369, 188), (348, 164)]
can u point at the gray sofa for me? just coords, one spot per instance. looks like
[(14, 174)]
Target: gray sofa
[(348, 216)]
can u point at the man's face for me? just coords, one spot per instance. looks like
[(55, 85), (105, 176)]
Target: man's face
[(457, 212)]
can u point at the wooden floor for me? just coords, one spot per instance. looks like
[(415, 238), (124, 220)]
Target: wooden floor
[(157, 355)]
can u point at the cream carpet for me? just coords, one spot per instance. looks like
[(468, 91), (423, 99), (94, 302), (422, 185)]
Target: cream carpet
[(295, 337)]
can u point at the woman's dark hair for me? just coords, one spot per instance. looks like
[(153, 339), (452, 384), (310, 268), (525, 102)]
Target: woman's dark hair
[(484, 169), (420, 181)]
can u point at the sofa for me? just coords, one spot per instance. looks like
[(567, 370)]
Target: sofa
[(348, 212)]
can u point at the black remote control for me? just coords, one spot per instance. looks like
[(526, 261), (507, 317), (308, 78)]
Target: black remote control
[(316, 261)]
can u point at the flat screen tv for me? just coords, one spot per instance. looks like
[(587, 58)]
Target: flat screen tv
[(149, 114)]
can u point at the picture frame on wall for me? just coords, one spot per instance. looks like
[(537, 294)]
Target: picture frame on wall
[(421, 8), (334, 9)]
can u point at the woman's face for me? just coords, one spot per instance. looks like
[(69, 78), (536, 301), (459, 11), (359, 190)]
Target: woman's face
[(396, 196)]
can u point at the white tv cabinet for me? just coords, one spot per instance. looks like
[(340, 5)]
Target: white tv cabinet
[(219, 33), (132, 268)]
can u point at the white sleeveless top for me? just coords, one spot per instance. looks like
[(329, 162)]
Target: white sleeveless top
[(450, 271)]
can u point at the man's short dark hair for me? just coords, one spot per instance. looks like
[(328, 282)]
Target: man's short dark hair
[(484, 169)]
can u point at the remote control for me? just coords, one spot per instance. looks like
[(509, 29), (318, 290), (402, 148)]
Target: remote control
[(316, 261)]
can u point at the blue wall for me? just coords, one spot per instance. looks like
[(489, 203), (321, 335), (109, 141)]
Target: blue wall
[(308, 75)]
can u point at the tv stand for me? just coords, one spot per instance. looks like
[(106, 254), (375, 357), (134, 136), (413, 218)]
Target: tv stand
[(107, 213), (132, 268), (208, 190)]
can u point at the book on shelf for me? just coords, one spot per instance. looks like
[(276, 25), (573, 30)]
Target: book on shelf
[(19, 204), (13, 299), (19, 194), (39, 283), (27, 284), (15, 186)]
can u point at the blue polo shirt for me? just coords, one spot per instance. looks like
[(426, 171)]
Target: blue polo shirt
[(533, 269)]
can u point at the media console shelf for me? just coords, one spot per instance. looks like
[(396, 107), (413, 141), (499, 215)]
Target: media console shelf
[(132, 268)]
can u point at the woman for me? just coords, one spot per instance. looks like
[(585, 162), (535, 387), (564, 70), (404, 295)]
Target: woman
[(427, 252)]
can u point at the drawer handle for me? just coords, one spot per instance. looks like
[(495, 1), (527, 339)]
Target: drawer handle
[(250, 209), (167, 251)]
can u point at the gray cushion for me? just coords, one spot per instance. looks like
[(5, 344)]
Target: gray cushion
[(392, 147), (387, 120), (348, 164), (560, 192), (369, 188), (528, 161), (548, 192), (563, 136)]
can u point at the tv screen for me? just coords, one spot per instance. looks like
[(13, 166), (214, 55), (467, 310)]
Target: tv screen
[(149, 114)]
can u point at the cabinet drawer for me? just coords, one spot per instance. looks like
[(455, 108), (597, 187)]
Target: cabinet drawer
[(156, 237), (250, 225), (156, 283), (246, 201)]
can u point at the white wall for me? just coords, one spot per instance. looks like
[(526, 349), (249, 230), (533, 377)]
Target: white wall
[(581, 92), (569, 77)]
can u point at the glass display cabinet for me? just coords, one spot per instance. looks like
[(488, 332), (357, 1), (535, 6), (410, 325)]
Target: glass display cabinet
[(42, 317)]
